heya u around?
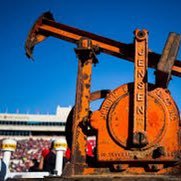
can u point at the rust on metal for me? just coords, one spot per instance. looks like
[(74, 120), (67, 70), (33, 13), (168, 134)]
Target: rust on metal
[(85, 60), (99, 94), (34, 37), (46, 26), (167, 59), (137, 127), (114, 143), (140, 88)]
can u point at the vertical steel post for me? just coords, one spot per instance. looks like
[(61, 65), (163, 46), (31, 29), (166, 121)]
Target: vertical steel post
[(86, 57), (140, 88)]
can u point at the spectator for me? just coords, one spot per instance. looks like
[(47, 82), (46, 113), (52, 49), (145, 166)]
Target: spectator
[(31, 148), (34, 166), (3, 170), (67, 154), (48, 160), (43, 155), (26, 151), (66, 157)]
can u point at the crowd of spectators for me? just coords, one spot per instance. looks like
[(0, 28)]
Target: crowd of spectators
[(26, 151), (30, 150)]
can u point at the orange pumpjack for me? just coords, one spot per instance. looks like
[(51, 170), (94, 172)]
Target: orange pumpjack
[(137, 127)]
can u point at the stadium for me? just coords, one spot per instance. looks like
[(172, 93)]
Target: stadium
[(33, 132)]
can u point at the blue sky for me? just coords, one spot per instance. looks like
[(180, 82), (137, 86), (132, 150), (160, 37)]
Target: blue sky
[(49, 81)]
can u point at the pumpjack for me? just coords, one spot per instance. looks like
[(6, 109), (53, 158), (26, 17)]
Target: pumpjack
[(137, 127)]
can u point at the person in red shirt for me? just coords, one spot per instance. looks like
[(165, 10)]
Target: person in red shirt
[(43, 155)]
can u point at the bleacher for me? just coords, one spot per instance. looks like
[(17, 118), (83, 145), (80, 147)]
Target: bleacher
[(31, 148)]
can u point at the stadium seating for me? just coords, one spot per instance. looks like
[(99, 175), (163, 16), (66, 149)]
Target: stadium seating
[(29, 149)]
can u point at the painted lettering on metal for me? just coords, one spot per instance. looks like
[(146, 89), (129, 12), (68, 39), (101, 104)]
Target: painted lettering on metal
[(168, 102), (111, 99), (138, 154), (140, 81)]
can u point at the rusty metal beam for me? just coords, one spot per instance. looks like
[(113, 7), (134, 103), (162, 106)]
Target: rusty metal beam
[(86, 56), (46, 26), (166, 62), (99, 94)]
